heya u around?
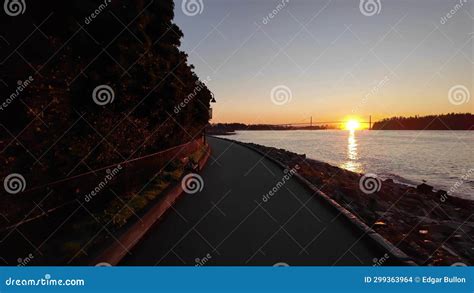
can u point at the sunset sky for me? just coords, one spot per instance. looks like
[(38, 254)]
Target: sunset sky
[(336, 61)]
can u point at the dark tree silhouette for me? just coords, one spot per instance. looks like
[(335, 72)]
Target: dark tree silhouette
[(433, 122), (53, 128)]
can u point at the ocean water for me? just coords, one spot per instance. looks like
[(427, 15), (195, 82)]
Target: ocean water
[(444, 159)]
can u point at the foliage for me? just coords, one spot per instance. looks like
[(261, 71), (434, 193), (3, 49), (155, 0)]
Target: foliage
[(131, 46), (433, 122)]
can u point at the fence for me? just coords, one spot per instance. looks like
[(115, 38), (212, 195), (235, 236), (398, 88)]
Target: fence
[(42, 200)]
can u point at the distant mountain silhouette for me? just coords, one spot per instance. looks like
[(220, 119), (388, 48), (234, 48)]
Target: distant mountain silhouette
[(462, 121)]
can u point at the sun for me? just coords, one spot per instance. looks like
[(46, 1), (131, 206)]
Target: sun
[(352, 125)]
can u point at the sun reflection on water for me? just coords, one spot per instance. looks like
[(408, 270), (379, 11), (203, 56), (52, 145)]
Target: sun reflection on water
[(352, 163)]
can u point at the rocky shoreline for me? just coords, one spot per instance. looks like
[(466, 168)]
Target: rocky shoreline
[(432, 227)]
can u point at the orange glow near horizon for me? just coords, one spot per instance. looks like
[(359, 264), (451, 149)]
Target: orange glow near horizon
[(352, 124)]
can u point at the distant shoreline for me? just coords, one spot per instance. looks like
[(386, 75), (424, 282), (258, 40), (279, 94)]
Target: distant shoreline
[(230, 133), (443, 122)]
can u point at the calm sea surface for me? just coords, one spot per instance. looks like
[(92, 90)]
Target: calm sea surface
[(444, 159)]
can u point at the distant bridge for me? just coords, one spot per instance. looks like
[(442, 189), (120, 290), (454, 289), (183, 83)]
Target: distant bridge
[(312, 123)]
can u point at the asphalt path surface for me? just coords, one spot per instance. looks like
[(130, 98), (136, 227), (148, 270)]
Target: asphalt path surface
[(229, 223)]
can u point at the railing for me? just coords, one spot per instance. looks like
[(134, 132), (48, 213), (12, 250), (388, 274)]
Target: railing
[(122, 176)]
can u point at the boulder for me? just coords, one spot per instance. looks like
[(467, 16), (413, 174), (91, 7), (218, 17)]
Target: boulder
[(425, 188)]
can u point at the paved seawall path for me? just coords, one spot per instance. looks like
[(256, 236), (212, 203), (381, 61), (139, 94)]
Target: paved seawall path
[(228, 223)]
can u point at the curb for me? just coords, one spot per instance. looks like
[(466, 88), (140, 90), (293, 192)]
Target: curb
[(379, 240), (117, 251)]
